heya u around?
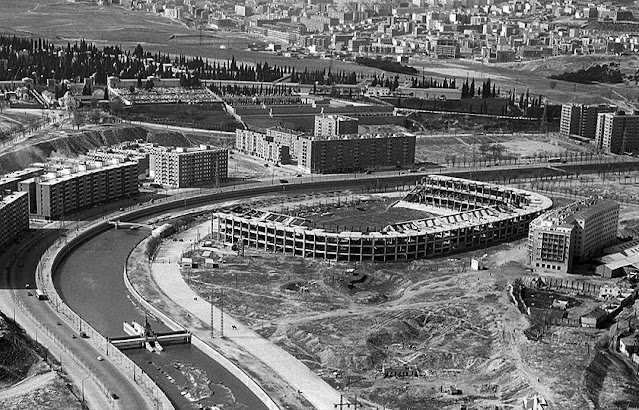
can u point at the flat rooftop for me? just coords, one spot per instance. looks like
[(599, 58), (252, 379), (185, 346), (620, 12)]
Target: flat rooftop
[(7, 199), (66, 174)]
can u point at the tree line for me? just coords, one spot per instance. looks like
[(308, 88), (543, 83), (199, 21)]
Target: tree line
[(594, 74), (41, 60), (386, 65), (486, 90)]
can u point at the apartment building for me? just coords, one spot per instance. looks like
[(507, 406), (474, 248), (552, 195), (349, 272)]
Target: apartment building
[(284, 136), (333, 124), (264, 146), (75, 185), (9, 182), (186, 167), (581, 120), (123, 153), (617, 133), (348, 153), (14, 215), (576, 232)]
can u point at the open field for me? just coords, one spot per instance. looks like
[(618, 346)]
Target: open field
[(203, 116), (405, 334), (533, 76), (443, 147), (12, 117)]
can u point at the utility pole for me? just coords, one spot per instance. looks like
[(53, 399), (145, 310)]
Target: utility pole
[(212, 315), (222, 313)]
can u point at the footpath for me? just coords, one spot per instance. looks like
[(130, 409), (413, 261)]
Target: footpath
[(165, 271)]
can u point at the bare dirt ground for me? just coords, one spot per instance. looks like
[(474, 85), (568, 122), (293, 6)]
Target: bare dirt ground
[(46, 391), (409, 334), (26, 380), (463, 148), (246, 167), (534, 76)]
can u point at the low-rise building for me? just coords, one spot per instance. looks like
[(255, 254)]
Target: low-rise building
[(14, 216)]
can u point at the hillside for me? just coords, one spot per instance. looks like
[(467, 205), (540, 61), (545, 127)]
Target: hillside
[(26, 380), (73, 143)]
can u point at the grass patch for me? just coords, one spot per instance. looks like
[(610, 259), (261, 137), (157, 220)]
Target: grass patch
[(204, 116)]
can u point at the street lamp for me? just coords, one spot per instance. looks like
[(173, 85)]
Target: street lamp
[(82, 384)]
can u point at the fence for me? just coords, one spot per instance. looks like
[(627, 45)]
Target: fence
[(44, 278), (238, 373), (564, 284)]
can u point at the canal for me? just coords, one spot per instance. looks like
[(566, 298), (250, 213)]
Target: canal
[(90, 280)]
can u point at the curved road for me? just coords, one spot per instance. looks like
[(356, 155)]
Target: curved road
[(131, 397), (20, 263)]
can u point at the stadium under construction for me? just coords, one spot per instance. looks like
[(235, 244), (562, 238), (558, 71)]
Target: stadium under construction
[(471, 215)]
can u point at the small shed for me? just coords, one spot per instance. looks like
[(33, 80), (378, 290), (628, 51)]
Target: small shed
[(595, 318)]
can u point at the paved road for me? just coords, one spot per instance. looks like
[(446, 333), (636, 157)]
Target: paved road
[(294, 372), (48, 333)]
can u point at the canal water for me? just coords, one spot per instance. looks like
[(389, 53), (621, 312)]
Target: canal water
[(90, 280)]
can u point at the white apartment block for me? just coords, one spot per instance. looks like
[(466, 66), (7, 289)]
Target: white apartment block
[(617, 133), (79, 185), (264, 146), (186, 167), (576, 232)]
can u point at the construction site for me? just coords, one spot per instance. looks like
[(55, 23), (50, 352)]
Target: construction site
[(430, 333)]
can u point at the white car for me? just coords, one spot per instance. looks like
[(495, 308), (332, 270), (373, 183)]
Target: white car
[(100, 358)]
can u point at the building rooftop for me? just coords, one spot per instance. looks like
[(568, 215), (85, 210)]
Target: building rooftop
[(18, 175), (566, 215), (354, 137), (69, 173), (189, 150), (7, 199)]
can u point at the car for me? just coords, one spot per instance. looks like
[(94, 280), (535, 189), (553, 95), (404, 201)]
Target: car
[(284, 181), (84, 335), (115, 396), (368, 172), (100, 358), (298, 175), (30, 293)]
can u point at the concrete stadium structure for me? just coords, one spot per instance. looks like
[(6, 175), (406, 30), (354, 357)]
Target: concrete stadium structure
[(474, 215)]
